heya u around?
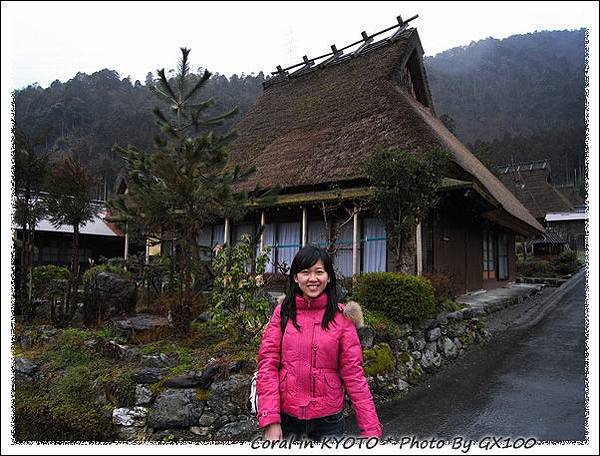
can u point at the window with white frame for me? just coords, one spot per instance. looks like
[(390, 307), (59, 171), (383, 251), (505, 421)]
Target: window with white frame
[(374, 246), (288, 242), (502, 256)]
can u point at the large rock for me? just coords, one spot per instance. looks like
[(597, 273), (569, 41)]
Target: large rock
[(25, 366), (109, 295), (230, 396), (448, 348), (143, 395), (366, 336), (143, 328), (434, 334), (148, 375), (243, 430), (185, 381), (175, 408), (130, 417), (160, 360), (114, 350)]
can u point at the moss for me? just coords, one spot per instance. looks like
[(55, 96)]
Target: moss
[(415, 373), (68, 349), (378, 360), (404, 357), (467, 338), (156, 388), (448, 305), (62, 409), (201, 394)]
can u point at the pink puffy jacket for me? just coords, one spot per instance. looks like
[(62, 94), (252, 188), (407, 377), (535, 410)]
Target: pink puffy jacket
[(313, 364)]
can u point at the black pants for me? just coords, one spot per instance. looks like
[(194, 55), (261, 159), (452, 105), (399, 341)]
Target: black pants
[(315, 429)]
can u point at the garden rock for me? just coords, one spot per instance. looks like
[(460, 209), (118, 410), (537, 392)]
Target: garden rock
[(184, 381), (148, 375), (434, 334), (207, 419), (366, 336), (143, 328), (143, 395), (109, 295), (230, 396), (130, 417), (26, 343), (449, 348), (241, 430), (175, 408), (25, 366), (114, 350), (161, 360)]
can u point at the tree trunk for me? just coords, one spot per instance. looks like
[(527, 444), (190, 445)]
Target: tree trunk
[(70, 303)]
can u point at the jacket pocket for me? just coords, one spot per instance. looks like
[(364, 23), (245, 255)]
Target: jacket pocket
[(333, 389), (283, 374)]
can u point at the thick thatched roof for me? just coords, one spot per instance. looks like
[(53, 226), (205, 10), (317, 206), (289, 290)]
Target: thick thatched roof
[(321, 126), (530, 183)]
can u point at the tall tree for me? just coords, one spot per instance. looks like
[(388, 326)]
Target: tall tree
[(184, 183), (31, 169), (70, 202), (406, 187)]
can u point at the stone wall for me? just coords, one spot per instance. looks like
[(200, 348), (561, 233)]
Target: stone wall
[(212, 404)]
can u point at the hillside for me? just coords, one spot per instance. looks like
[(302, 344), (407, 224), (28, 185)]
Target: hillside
[(521, 98)]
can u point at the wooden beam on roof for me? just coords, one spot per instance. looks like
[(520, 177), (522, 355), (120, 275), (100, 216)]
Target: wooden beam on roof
[(336, 54), (366, 41)]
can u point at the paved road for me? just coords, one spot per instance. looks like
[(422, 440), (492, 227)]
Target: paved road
[(526, 383)]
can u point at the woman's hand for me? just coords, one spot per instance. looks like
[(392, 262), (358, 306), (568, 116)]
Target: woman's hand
[(273, 432)]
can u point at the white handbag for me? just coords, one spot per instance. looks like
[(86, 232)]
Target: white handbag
[(253, 399)]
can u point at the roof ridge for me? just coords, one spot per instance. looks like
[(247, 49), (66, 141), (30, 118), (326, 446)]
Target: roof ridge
[(336, 56)]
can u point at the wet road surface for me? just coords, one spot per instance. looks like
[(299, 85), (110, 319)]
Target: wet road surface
[(527, 383)]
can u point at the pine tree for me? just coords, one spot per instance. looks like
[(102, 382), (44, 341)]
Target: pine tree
[(70, 201), (31, 170), (185, 182)]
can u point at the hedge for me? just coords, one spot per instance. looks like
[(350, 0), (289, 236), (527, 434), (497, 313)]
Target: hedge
[(402, 297)]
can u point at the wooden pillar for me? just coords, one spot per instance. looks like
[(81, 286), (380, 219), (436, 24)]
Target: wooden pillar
[(419, 250), (262, 235), (227, 232), (126, 251), (355, 241), (147, 257), (304, 226)]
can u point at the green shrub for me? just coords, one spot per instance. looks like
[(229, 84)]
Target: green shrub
[(402, 297), (89, 275), (239, 305), (49, 282), (534, 267), (566, 263), (380, 322)]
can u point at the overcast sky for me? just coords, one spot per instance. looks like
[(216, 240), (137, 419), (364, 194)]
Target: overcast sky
[(55, 40)]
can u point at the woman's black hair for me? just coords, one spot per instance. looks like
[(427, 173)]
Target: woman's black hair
[(305, 258)]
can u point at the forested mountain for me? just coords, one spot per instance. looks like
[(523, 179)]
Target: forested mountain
[(90, 113), (521, 98)]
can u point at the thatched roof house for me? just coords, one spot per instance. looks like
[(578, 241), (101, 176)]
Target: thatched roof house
[(320, 126), (530, 183)]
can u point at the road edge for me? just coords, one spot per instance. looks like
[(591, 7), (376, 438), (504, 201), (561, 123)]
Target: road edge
[(551, 303)]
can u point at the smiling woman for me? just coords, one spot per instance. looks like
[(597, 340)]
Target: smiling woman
[(305, 367)]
